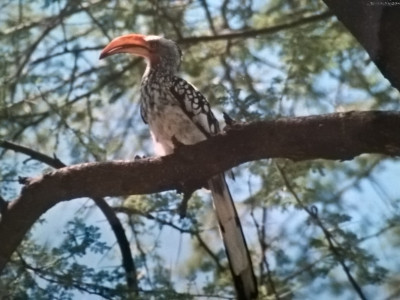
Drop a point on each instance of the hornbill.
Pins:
(177, 112)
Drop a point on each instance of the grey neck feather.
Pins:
(164, 68)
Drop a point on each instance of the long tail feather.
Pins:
(234, 241)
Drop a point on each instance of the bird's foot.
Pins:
(138, 157)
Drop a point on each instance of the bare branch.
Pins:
(328, 236)
(40, 22)
(50, 161)
(251, 33)
(116, 226)
(333, 136)
(194, 232)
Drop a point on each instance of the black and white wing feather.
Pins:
(197, 108)
(195, 105)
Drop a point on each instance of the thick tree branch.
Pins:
(373, 24)
(334, 136)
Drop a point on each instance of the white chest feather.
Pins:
(170, 121)
(175, 109)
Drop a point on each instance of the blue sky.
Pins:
(368, 204)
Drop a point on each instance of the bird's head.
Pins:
(159, 52)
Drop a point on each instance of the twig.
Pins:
(172, 20)
(79, 285)
(141, 251)
(116, 226)
(208, 15)
(51, 161)
(96, 21)
(251, 33)
(22, 27)
(195, 233)
(328, 236)
(261, 232)
(269, 274)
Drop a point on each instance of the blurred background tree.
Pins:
(316, 229)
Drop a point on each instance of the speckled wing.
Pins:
(195, 105)
(197, 108)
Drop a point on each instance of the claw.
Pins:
(228, 120)
(138, 157)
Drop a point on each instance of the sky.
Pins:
(368, 201)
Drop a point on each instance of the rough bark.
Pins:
(337, 136)
(374, 23)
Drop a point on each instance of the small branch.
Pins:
(261, 232)
(308, 267)
(65, 51)
(22, 27)
(141, 251)
(50, 161)
(95, 21)
(269, 273)
(209, 251)
(119, 232)
(195, 233)
(251, 33)
(208, 15)
(116, 226)
(174, 20)
(59, 279)
(328, 236)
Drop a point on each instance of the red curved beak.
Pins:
(129, 43)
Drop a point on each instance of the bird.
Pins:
(176, 111)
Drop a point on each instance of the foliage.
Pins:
(56, 97)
